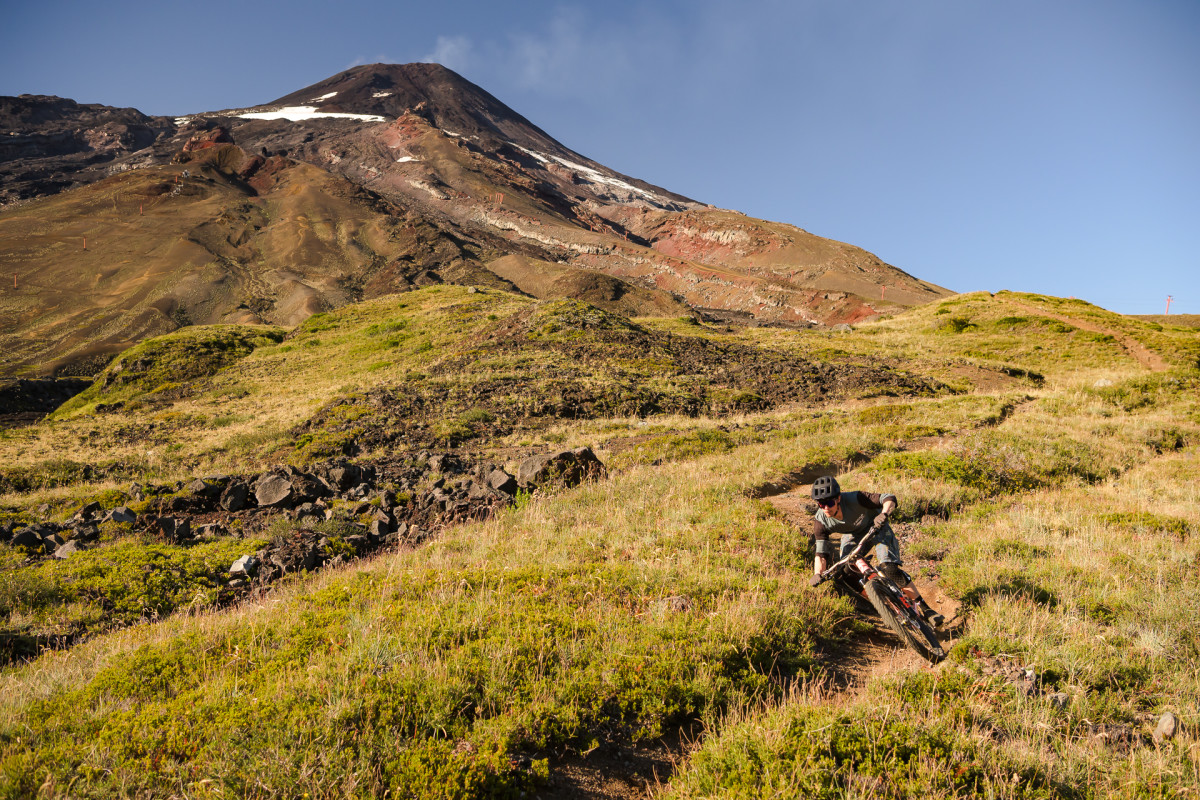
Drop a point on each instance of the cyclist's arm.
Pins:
(824, 547)
(886, 503)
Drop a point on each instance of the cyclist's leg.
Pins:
(887, 553)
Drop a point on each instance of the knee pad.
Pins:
(893, 573)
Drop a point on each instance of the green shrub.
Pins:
(1146, 522)
(956, 325)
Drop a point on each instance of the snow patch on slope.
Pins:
(595, 176)
(301, 113)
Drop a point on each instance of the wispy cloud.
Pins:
(452, 52)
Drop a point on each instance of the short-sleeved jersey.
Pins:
(859, 510)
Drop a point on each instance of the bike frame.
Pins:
(864, 572)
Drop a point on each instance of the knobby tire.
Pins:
(912, 630)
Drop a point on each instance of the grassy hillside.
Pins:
(223, 238)
(1044, 452)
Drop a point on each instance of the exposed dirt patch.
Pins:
(618, 772)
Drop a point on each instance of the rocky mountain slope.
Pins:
(372, 181)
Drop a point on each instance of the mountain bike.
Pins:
(855, 575)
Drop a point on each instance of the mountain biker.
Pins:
(852, 514)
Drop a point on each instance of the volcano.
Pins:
(117, 225)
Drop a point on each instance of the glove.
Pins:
(881, 520)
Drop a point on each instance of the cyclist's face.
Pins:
(831, 506)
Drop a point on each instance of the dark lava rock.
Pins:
(87, 532)
(343, 475)
(177, 505)
(68, 549)
(205, 488)
(564, 468)
(88, 511)
(306, 510)
(306, 487)
(274, 491)
(175, 529)
(235, 497)
(38, 396)
(501, 481)
(27, 538)
(122, 515)
(210, 530)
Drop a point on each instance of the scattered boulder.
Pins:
(501, 481)
(121, 515)
(343, 475)
(244, 566)
(305, 487)
(210, 530)
(359, 543)
(274, 491)
(566, 468)
(68, 549)
(1103, 383)
(177, 505)
(1059, 700)
(205, 488)
(1168, 726)
(88, 511)
(306, 510)
(27, 538)
(87, 532)
(235, 497)
(175, 529)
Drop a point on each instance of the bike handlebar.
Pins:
(832, 570)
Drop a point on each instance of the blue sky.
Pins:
(1049, 146)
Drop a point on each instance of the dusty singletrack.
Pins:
(1136, 350)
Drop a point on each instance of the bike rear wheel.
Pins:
(912, 630)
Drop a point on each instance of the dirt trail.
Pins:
(1138, 351)
(852, 667)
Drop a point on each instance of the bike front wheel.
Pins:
(905, 623)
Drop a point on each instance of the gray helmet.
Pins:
(825, 488)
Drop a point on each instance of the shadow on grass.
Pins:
(1013, 587)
